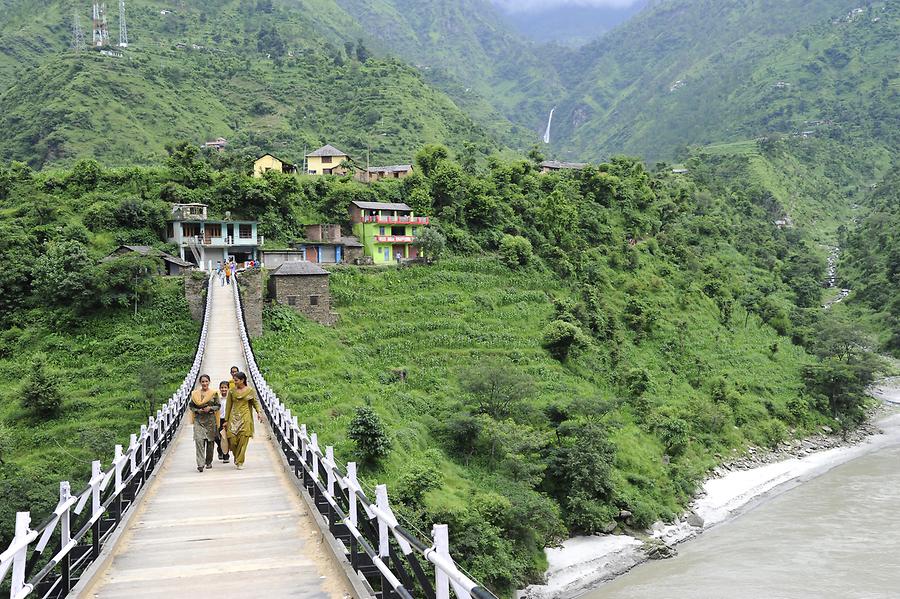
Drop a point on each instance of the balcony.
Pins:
(396, 220)
(395, 238)
(222, 242)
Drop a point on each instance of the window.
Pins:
(326, 171)
(386, 252)
(398, 230)
(381, 230)
(312, 171)
(245, 231)
(314, 300)
(326, 159)
(292, 300)
(213, 230)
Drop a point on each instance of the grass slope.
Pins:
(97, 361)
(436, 322)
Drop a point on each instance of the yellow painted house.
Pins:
(326, 161)
(268, 162)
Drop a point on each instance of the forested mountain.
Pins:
(288, 75)
(871, 265)
(701, 71)
(261, 76)
(278, 75)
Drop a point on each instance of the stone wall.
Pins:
(250, 284)
(195, 293)
(309, 295)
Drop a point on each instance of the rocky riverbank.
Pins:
(582, 563)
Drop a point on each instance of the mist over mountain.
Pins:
(569, 24)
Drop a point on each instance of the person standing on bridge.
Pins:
(239, 417)
(205, 416)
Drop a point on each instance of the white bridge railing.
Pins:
(82, 523)
(387, 557)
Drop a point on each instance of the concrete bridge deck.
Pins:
(223, 533)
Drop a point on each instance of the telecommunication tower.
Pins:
(77, 34)
(123, 28)
(100, 28)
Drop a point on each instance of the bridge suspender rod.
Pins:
(302, 450)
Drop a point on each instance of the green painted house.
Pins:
(387, 230)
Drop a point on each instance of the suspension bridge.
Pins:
(294, 523)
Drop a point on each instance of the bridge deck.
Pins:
(222, 533)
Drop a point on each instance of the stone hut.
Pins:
(304, 287)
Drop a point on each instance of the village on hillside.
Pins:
(380, 233)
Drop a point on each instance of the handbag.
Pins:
(223, 443)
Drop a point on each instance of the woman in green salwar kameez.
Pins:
(239, 409)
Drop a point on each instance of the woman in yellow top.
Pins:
(239, 417)
(204, 407)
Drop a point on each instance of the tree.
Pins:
(186, 166)
(515, 250)
(367, 430)
(40, 393)
(148, 379)
(362, 53)
(496, 387)
(6, 442)
(431, 244)
(560, 337)
(127, 280)
(580, 475)
(63, 275)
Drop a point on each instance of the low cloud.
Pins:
(539, 5)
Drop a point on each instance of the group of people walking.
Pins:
(229, 434)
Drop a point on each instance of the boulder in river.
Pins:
(694, 520)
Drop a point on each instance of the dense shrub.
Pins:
(368, 431)
(515, 250)
(41, 393)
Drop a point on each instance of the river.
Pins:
(836, 535)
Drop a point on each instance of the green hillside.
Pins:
(699, 72)
(262, 77)
(641, 327)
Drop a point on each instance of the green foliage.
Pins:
(515, 250)
(367, 430)
(61, 274)
(431, 243)
(561, 337)
(41, 393)
(496, 387)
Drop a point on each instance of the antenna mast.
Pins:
(100, 30)
(123, 28)
(77, 34)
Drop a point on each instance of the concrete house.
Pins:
(386, 230)
(205, 241)
(552, 166)
(325, 244)
(171, 264)
(326, 161)
(377, 173)
(304, 287)
(268, 162)
(217, 144)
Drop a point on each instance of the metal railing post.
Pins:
(65, 537)
(442, 546)
(381, 500)
(23, 520)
